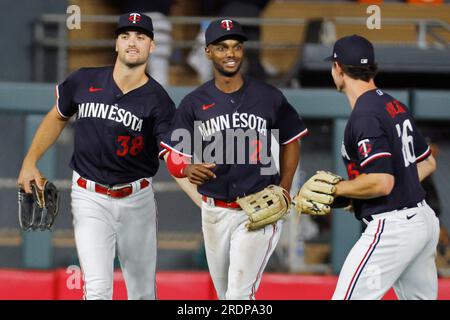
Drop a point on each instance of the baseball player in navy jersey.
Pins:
(228, 103)
(121, 116)
(386, 158)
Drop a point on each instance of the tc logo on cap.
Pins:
(226, 24)
(364, 61)
(134, 17)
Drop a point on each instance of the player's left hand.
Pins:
(317, 194)
(198, 174)
(265, 207)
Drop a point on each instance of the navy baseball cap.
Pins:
(135, 21)
(353, 51)
(224, 29)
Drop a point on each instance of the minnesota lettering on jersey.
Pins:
(237, 120)
(109, 112)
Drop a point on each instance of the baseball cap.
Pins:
(135, 21)
(353, 50)
(224, 29)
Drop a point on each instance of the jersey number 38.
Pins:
(131, 145)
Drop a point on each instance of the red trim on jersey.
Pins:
(298, 136)
(162, 153)
(176, 163)
(424, 155)
(57, 103)
(363, 260)
(374, 157)
(169, 148)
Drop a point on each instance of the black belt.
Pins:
(369, 218)
(373, 216)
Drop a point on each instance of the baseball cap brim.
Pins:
(236, 36)
(133, 28)
(330, 58)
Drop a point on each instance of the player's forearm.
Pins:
(289, 158)
(366, 186)
(190, 190)
(426, 167)
(48, 132)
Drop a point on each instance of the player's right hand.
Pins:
(28, 173)
(198, 174)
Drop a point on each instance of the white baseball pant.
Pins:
(104, 226)
(236, 257)
(398, 249)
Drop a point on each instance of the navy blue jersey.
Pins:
(381, 137)
(256, 109)
(117, 136)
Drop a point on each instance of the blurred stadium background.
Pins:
(288, 41)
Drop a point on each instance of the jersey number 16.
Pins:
(407, 142)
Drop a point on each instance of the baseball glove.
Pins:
(316, 196)
(38, 209)
(265, 207)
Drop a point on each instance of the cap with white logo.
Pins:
(224, 29)
(353, 51)
(135, 21)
